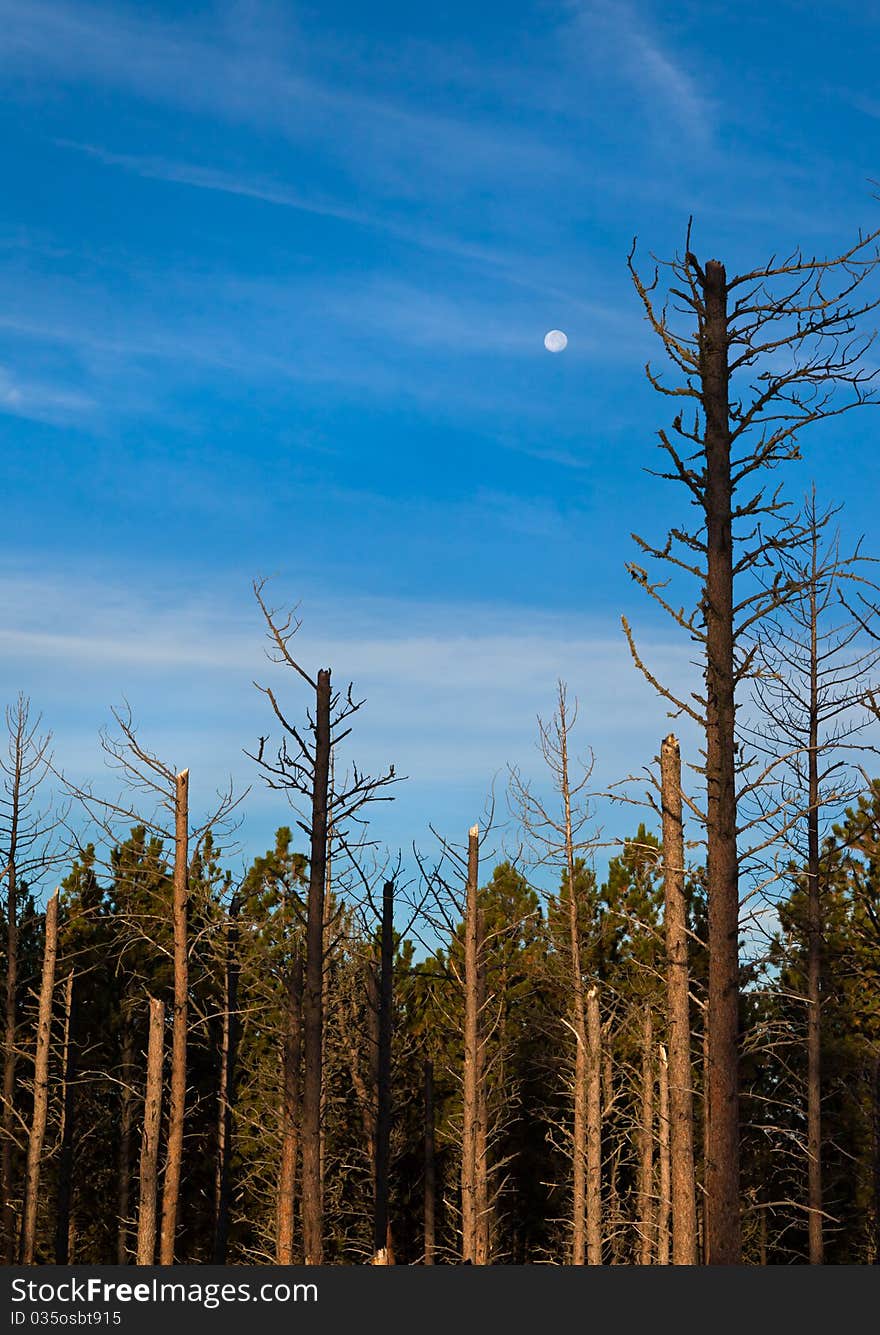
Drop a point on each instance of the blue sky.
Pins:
(274, 281)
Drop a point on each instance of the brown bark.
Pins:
(681, 1107)
(68, 1124)
(7, 1116)
(41, 1086)
(290, 1112)
(725, 1234)
(472, 1055)
(226, 1091)
(177, 1103)
(481, 1199)
(125, 1138)
(146, 1235)
(594, 1129)
(430, 1189)
(313, 1003)
(876, 1165)
(578, 1021)
(646, 1146)
(663, 1156)
(381, 1223)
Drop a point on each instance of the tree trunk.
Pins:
(430, 1165)
(646, 1168)
(663, 1155)
(125, 1130)
(177, 1104)
(579, 1023)
(594, 1129)
(814, 944)
(68, 1124)
(481, 1199)
(41, 1086)
(7, 1121)
(681, 1104)
(381, 1227)
(725, 1242)
(876, 1184)
(226, 1093)
(146, 1237)
(313, 1004)
(706, 1151)
(290, 1112)
(472, 1055)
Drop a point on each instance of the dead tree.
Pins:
(681, 1103)
(813, 694)
(646, 1146)
(290, 1110)
(556, 837)
(126, 1121)
(226, 1091)
(473, 1193)
(381, 1226)
(594, 1130)
(41, 1086)
(663, 1186)
(68, 1121)
(24, 832)
(760, 356)
(301, 768)
(177, 1102)
(430, 1180)
(146, 1236)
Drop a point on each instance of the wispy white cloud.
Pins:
(41, 401)
(620, 35)
(452, 690)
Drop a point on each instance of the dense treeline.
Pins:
(107, 967)
(673, 1060)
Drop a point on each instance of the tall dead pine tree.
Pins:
(23, 830)
(303, 767)
(556, 839)
(177, 1105)
(473, 1193)
(760, 357)
(681, 1099)
(146, 1234)
(290, 1111)
(41, 1086)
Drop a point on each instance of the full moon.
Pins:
(555, 341)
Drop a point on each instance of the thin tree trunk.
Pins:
(7, 1120)
(177, 1104)
(472, 1052)
(706, 1143)
(226, 1093)
(481, 1200)
(814, 942)
(430, 1190)
(125, 1130)
(594, 1129)
(68, 1124)
(725, 1233)
(663, 1155)
(579, 1024)
(313, 1002)
(146, 1236)
(613, 1207)
(646, 1170)
(876, 1184)
(681, 1103)
(41, 1086)
(290, 1112)
(381, 1227)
